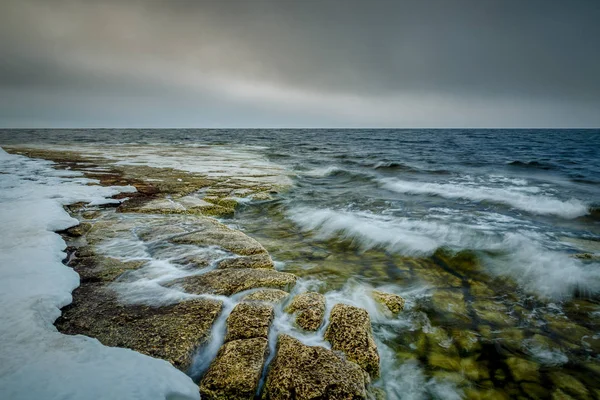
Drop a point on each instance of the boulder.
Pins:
(350, 331)
(392, 302)
(274, 296)
(310, 309)
(248, 321)
(227, 282)
(235, 372)
(302, 372)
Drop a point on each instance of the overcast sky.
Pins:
(299, 63)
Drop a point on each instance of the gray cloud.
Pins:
(300, 63)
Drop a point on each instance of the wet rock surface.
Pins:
(236, 370)
(309, 309)
(349, 331)
(248, 321)
(392, 302)
(304, 372)
(274, 296)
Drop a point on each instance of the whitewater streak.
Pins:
(517, 197)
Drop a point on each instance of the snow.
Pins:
(36, 361)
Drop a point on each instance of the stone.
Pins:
(227, 282)
(248, 321)
(569, 384)
(217, 234)
(392, 302)
(523, 370)
(309, 309)
(274, 296)
(301, 372)
(262, 260)
(350, 331)
(236, 370)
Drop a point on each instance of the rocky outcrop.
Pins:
(392, 302)
(350, 331)
(274, 296)
(235, 372)
(309, 309)
(248, 321)
(301, 372)
(231, 281)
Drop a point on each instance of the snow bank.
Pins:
(36, 361)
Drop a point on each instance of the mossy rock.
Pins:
(301, 372)
(392, 302)
(350, 331)
(309, 309)
(262, 260)
(569, 384)
(523, 370)
(227, 282)
(235, 372)
(274, 296)
(248, 321)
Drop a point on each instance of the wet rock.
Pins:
(392, 302)
(274, 296)
(300, 372)
(230, 281)
(569, 384)
(249, 320)
(262, 260)
(310, 309)
(560, 395)
(236, 370)
(78, 230)
(523, 370)
(170, 332)
(92, 267)
(350, 331)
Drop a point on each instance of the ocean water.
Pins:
(492, 236)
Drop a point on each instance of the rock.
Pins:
(523, 370)
(248, 321)
(569, 384)
(262, 260)
(274, 296)
(236, 370)
(310, 309)
(78, 230)
(231, 281)
(350, 331)
(393, 302)
(300, 372)
(214, 233)
(171, 332)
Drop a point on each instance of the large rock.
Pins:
(230, 281)
(216, 234)
(301, 372)
(310, 309)
(262, 260)
(249, 320)
(392, 302)
(350, 331)
(273, 296)
(235, 372)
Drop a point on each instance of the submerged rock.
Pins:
(236, 370)
(249, 320)
(350, 331)
(301, 372)
(230, 281)
(393, 302)
(273, 296)
(310, 309)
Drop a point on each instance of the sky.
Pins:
(299, 63)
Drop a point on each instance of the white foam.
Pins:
(36, 360)
(520, 197)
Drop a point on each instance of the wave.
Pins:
(520, 255)
(521, 197)
(531, 164)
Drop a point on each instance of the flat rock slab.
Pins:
(310, 309)
(171, 332)
(301, 372)
(222, 236)
(227, 282)
(248, 321)
(350, 331)
(235, 372)
(262, 260)
(273, 296)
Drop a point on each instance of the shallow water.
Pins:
(477, 229)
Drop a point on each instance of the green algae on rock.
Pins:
(248, 321)
(301, 372)
(309, 309)
(235, 372)
(227, 282)
(350, 331)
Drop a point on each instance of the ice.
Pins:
(36, 361)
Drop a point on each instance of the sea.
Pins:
(492, 236)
